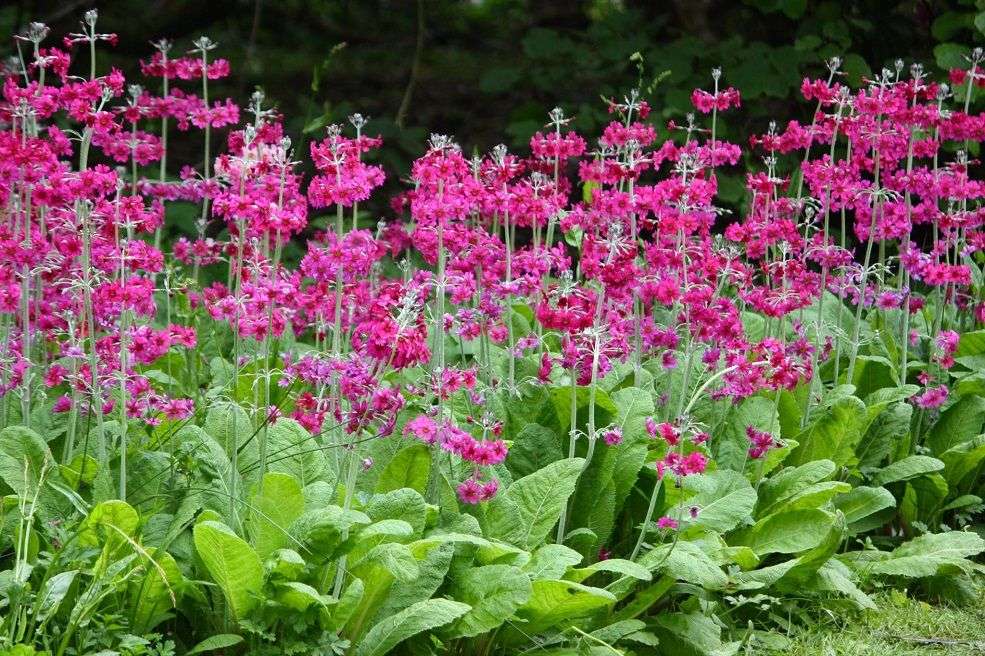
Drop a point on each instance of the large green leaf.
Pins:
(292, 449)
(526, 512)
(433, 563)
(409, 468)
(535, 446)
(723, 499)
(25, 461)
(686, 561)
(232, 564)
(787, 532)
(906, 469)
(863, 502)
(422, 616)
(833, 435)
(153, 595)
(959, 423)
(756, 411)
(551, 561)
(691, 634)
(230, 426)
(921, 556)
(790, 481)
(884, 434)
(494, 592)
(278, 502)
(963, 463)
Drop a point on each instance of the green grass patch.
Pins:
(901, 626)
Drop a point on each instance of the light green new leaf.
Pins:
(109, 523)
(277, 503)
(408, 469)
(906, 469)
(526, 512)
(422, 616)
(232, 564)
(494, 592)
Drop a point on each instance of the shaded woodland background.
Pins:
(488, 71)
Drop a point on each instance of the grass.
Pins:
(901, 626)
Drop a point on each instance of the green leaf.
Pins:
(494, 592)
(686, 561)
(23, 458)
(299, 596)
(959, 423)
(756, 411)
(526, 512)
(614, 565)
(219, 641)
(535, 446)
(862, 502)
(921, 556)
(422, 616)
(52, 594)
(832, 436)
(297, 451)
(279, 501)
(692, 634)
(409, 468)
(962, 462)
(405, 504)
(907, 468)
(109, 523)
(790, 481)
(232, 564)
(835, 576)
(724, 499)
(551, 561)
(885, 432)
(951, 55)
(153, 595)
(556, 603)
(433, 563)
(787, 532)
(230, 426)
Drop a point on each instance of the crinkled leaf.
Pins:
(530, 507)
(422, 616)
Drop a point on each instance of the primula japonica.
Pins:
(618, 248)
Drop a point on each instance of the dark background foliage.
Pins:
(488, 71)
